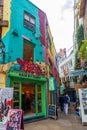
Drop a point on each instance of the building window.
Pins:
(1, 2)
(28, 52)
(29, 21)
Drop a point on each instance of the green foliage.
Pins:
(80, 35)
(77, 61)
(83, 50)
(75, 79)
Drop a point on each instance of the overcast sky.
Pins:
(60, 17)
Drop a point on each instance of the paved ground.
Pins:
(50, 124)
(70, 122)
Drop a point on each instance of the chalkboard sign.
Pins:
(52, 111)
(15, 120)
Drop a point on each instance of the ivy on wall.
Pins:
(83, 50)
(77, 60)
(80, 35)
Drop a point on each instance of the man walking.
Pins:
(61, 101)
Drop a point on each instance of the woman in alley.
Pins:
(66, 103)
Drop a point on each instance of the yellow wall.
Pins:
(3, 70)
(6, 16)
(2, 80)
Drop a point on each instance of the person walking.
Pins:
(66, 103)
(61, 101)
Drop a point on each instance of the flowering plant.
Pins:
(31, 67)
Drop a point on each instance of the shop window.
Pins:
(29, 21)
(1, 2)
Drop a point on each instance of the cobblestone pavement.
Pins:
(70, 122)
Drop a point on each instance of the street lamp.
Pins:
(2, 51)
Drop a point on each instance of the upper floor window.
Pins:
(29, 21)
(1, 2)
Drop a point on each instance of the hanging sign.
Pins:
(15, 120)
(51, 84)
(78, 72)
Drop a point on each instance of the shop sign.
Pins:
(28, 75)
(51, 84)
(78, 72)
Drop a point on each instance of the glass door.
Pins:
(38, 99)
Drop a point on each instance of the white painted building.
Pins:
(66, 64)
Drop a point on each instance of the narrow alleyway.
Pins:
(72, 117)
(70, 122)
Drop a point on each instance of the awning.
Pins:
(78, 72)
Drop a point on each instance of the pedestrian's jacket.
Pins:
(66, 99)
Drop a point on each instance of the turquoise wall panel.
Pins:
(14, 42)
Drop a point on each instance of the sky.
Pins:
(60, 18)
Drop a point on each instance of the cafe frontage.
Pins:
(29, 82)
(29, 94)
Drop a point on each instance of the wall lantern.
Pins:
(15, 32)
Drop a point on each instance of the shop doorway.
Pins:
(28, 99)
(31, 98)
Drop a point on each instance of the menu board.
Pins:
(52, 111)
(83, 104)
(15, 120)
(84, 101)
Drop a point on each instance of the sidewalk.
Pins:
(70, 122)
(50, 124)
